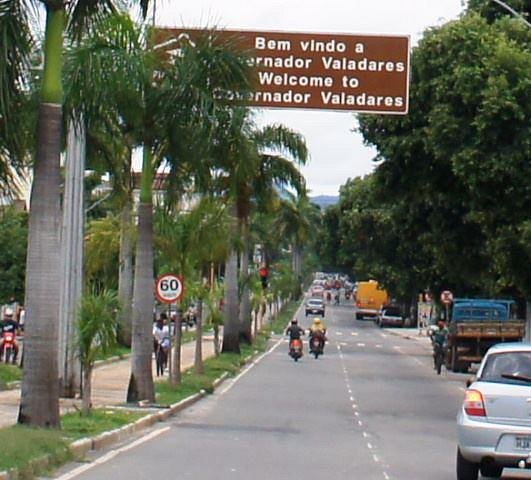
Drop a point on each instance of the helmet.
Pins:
(316, 320)
(8, 312)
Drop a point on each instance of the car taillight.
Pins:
(474, 405)
(358, 304)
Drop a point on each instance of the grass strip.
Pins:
(9, 373)
(76, 426)
(118, 351)
(21, 445)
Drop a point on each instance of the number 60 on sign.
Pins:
(169, 288)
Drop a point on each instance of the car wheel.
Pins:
(466, 470)
(491, 471)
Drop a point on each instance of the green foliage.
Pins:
(14, 234)
(9, 373)
(492, 11)
(212, 302)
(21, 445)
(449, 205)
(100, 420)
(97, 325)
(102, 253)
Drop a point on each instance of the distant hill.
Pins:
(324, 201)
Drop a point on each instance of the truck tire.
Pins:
(491, 471)
(466, 470)
(454, 363)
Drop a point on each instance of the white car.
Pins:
(494, 424)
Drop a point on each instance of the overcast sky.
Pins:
(336, 152)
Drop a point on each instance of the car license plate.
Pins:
(523, 443)
(315, 310)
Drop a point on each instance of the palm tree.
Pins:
(296, 219)
(187, 241)
(15, 116)
(253, 165)
(39, 404)
(168, 105)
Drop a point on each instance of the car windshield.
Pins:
(316, 303)
(508, 367)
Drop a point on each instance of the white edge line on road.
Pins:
(257, 360)
(113, 453)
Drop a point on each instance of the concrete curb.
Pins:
(108, 361)
(419, 340)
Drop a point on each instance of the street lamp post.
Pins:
(512, 10)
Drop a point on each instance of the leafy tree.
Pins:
(455, 170)
(14, 232)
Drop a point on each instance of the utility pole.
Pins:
(71, 259)
(513, 11)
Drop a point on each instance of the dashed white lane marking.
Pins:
(339, 333)
(365, 434)
(462, 389)
(361, 344)
(343, 344)
(383, 335)
(113, 453)
(354, 334)
(379, 346)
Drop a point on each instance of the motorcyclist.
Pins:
(294, 331)
(9, 325)
(318, 329)
(439, 338)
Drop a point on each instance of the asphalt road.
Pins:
(371, 408)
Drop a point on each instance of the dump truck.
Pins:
(476, 325)
(370, 298)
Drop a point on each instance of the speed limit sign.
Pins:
(169, 288)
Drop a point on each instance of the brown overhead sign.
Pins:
(360, 73)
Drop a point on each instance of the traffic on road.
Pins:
(369, 406)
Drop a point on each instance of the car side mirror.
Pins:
(470, 381)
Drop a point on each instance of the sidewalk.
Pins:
(411, 334)
(109, 384)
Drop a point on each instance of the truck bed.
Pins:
(513, 330)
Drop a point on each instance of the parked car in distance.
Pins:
(494, 424)
(315, 306)
(389, 316)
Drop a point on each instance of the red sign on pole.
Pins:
(169, 288)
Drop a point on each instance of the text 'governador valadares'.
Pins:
(362, 73)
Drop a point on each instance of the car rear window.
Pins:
(392, 312)
(315, 302)
(499, 366)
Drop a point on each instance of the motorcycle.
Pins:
(295, 349)
(8, 347)
(317, 345)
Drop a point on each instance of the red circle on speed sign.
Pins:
(447, 297)
(169, 288)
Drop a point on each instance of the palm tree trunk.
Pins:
(231, 329)
(141, 385)
(245, 304)
(39, 404)
(175, 357)
(198, 363)
(141, 381)
(125, 280)
(86, 399)
(216, 340)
